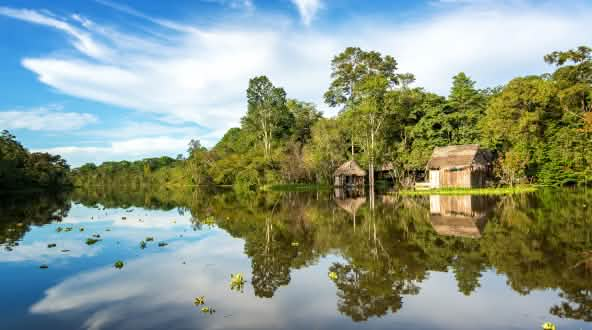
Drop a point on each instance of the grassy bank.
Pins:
(295, 187)
(470, 191)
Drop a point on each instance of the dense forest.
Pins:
(539, 128)
(22, 170)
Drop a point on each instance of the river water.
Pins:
(310, 260)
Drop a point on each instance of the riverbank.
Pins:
(470, 191)
(295, 187)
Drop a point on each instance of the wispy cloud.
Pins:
(81, 40)
(47, 118)
(307, 9)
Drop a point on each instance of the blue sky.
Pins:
(113, 79)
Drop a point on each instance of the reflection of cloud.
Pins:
(158, 290)
(39, 252)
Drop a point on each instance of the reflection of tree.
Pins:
(537, 241)
(19, 212)
(364, 294)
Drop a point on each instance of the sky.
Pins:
(100, 80)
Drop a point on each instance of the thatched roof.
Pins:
(350, 168)
(454, 156)
(387, 167)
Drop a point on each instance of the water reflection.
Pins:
(386, 250)
(462, 216)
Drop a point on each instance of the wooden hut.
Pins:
(350, 174)
(462, 166)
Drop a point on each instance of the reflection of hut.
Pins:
(463, 166)
(350, 174)
(463, 216)
(351, 205)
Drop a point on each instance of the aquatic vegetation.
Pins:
(51, 245)
(149, 239)
(96, 236)
(59, 229)
(81, 229)
(295, 244)
(108, 229)
(123, 218)
(548, 326)
(161, 244)
(209, 220)
(44, 266)
(118, 264)
(237, 282)
(65, 250)
(208, 310)
(333, 276)
(199, 300)
(68, 229)
(91, 241)
(142, 245)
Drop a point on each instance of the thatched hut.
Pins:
(350, 174)
(463, 166)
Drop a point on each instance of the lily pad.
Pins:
(149, 239)
(295, 243)
(51, 245)
(59, 229)
(161, 244)
(44, 266)
(333, 276)
(142, 245)
(118, 264)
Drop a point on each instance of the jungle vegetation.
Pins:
(24, 170)
(539, 127)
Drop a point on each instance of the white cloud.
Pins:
(45, 119)
(307, 9)
(131, 149)
(82, 41)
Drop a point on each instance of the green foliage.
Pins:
(539, 129)
(21, 169)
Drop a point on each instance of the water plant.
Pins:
(91, 241)
(142, 245)
(149, 239)
(44, 266)
(118, 264)
(50, 245)
(199, 300)
(161, 244)
(68, 229)
(333, 276)
(59, 229)
(295, 243)
(237, 282)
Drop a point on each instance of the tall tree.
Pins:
(360, 80)
(267, 112)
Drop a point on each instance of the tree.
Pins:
(267, 115)
(360, 80)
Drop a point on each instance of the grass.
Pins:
(470, 191)
(295, 187)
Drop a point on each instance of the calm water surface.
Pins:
(430, 262)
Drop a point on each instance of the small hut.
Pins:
(350, 174)
(462, 166)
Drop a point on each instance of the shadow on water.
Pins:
(387, 245)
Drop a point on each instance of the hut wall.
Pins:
(455, 178)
